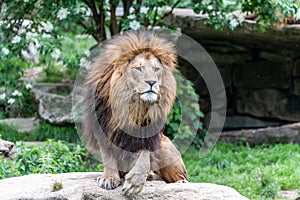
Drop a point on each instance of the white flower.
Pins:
(134, 25)
(25, 1)
(26, 23)
(205, 2)
(45, 35)
(62, 13)
(5, 51)
(131, 17)
(32, 53)
(31, 35)
(55, 54)
(297, 15)
(210, 7)
(11, 101)
(87, 53)
(16, 39)
(85, 63)
(2, 96)
(16, 93)
(80, 10)
(28, 86)
(234, 23)
(88, 13)
(45, 26)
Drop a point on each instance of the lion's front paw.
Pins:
(109, 182)
(134, 183)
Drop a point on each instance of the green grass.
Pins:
(256, 172)
(42, 132)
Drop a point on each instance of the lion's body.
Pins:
(124, 118)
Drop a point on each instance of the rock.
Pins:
(275, 58)
(234, 58)
(269, 103)
(55, 102)
(271, 135)
(5, 148)
(296, 71)
(296, 87)
(22, 124)
(238, 121)
(83, 186)
(248, 35)
(262, 74)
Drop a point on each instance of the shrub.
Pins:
(50, 157)
(186, 111)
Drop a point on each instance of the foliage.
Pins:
(47, 131)
(15, 95)
(51, 157)
(42, 132)
(226, 13)
(180, 128)
(256, 172)
(10, 133)
(57, 186)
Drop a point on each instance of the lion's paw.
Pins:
(134, 183)
(108, 183)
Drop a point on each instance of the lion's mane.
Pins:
(106, 94)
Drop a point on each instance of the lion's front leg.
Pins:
(110, 178)
(136, 178)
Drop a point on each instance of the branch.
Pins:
(167, 13)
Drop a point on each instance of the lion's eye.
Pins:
(156, 69)
(138, 69)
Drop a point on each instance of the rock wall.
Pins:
(261, 71)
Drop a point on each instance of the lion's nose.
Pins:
(151, 82)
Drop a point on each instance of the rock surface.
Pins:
(77, 186)
(271, 135)
(22, 124)
(55, 102)
(260, 70)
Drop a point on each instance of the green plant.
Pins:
(10, 133)
(227, 13)
(50, 157)
(57, 186)
(184, 120)
(46, 131)
(16, 97)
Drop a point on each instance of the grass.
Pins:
(42, 132)
(256, 172)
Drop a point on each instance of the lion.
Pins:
(130, 92)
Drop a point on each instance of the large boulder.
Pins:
(83, 186)
(55, 102)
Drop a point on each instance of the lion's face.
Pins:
(144, 74)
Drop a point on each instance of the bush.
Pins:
(227, 13)
(191, 112)
(51, 157)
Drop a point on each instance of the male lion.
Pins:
(130, 92)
